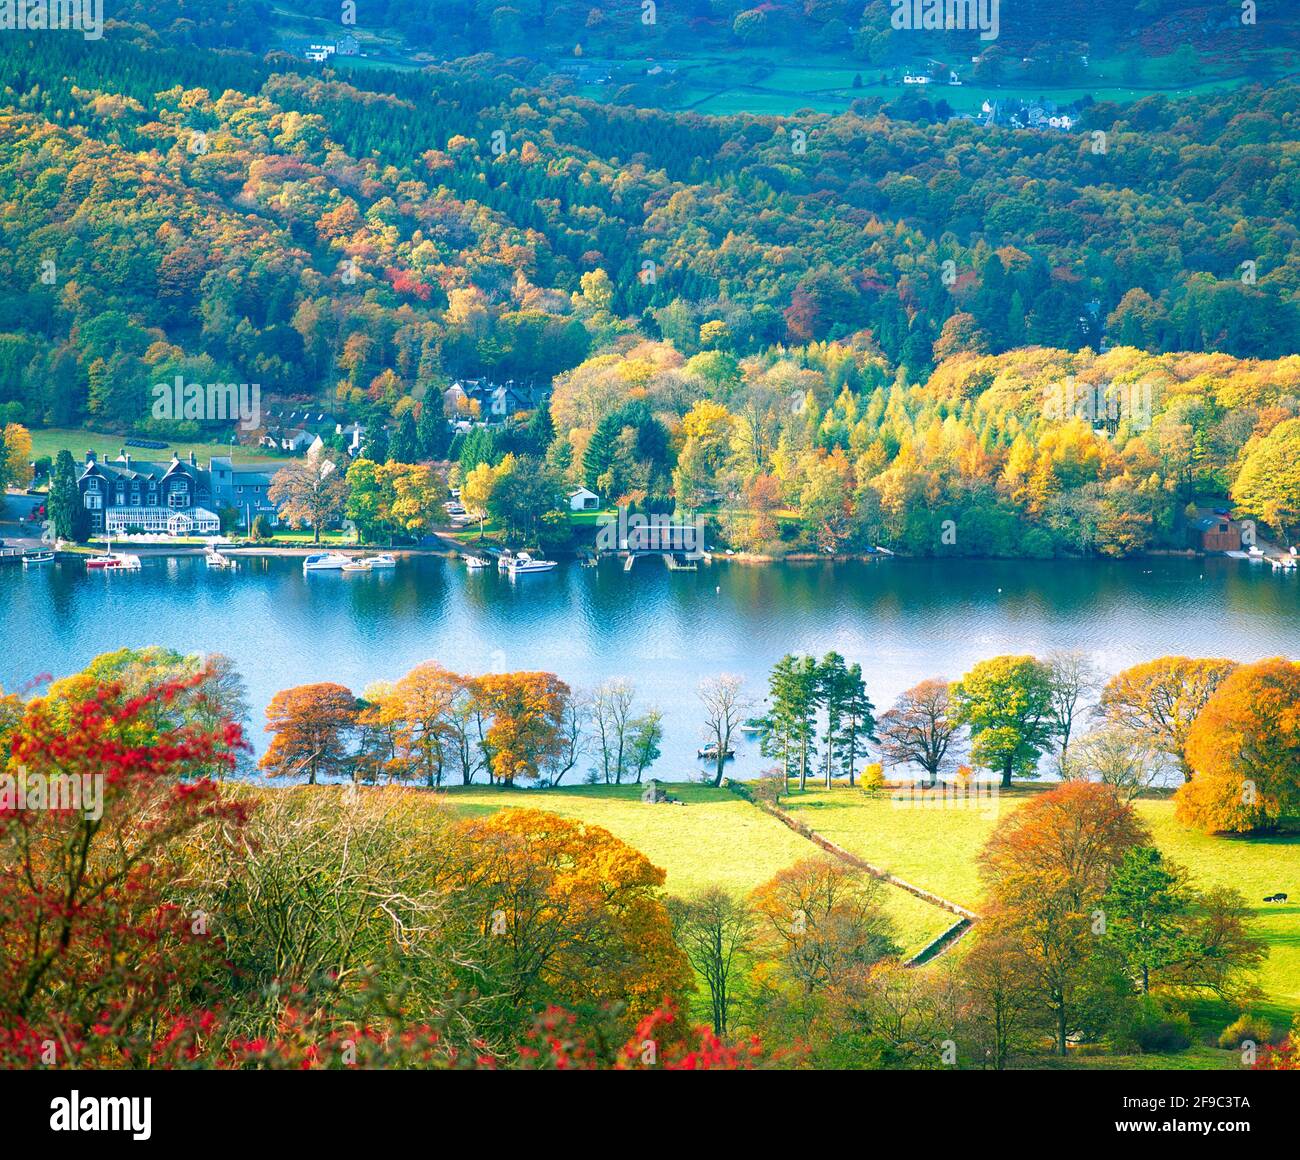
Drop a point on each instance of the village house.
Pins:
(244, 489)
(583, 500)
(490, 402)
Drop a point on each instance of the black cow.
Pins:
(1276, 898)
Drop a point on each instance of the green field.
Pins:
(719, 839)
(49, 441)
(768, 81)
(936, 848)
(716, 839)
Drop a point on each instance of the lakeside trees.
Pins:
(311, 492)
(1088, 932)
(1243, 749)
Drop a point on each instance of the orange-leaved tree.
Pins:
(1047, 868)
(1244, 751)
(418, 709)
(572, 916)
(312, 727)
(527, 711)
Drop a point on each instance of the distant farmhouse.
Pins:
(489, 402)
(298, 430)
(178, 498)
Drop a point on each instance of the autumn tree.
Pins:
(1162, 698)
(1046, 869)
(310, 492)
(418, 708)
(1007, 704)
(1268, 483)
(569, 915)
(1244, 752)
(92, 944)
(311, 728)
(921, 729)
(822, 919)
(527, 730)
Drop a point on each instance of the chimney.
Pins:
(127, 456)
(191, 458)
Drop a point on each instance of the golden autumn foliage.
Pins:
(1161, 699)
(310, 725)
(574, 913)
(1244, 752)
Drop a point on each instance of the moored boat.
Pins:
(381, 561)
(710, 753)
(39, 558)
(356, 566)
(114, 562)
(524, 563)
(325, 562)
(474, 562)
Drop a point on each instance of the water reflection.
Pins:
(901, 620)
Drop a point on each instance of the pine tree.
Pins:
(433, 431)
(791, 730)
(64, 501)
(405, 447)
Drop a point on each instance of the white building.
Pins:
(583, 500)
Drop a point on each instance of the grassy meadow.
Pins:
(719, 839)
(51, 440)
(716, 839)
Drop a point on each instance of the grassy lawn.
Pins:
(51, 440)
(717, 839)
(936, 848)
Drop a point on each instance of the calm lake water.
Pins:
(902, 620)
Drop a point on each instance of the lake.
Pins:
(902, 620)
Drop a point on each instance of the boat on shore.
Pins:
(523, 564)
(325, 562)
(39, 558)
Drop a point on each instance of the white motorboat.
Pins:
(475, 562)
(523, 564)
(216, 560)
(381, 561)
(325, 562)
(356, 566)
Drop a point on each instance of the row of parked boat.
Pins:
(338, 562)
(513, 563)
